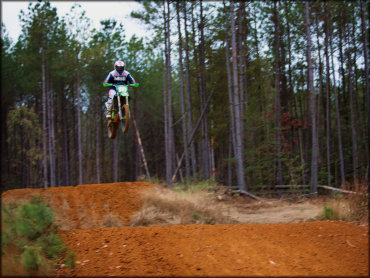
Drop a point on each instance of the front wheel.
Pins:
(125, 123)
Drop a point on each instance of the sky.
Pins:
(95, 10)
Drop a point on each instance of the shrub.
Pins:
(51, 244)
(70, 259)
(33, 219)
(337, 210)
(31, 258)
(349, 207)
(359, 204)
(328, 213)
(30, 228)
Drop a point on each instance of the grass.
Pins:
(191, 206)
(29, 238)
(358, 204)
(204, 185)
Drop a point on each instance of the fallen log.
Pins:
(192, 135)
(142, 151)
(247, 193)
(336, 189)
(287, 186)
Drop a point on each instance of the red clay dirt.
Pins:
(321, 248)
(87, 206)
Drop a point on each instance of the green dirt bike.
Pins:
(120, 109)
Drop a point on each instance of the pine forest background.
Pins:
(246, 93)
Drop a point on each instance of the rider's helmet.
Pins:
(119, 66)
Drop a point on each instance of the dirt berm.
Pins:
(320, 248)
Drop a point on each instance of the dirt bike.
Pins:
(120, 109)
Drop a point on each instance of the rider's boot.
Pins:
(109, 112)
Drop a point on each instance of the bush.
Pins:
(30, 228)
(33, 219)
(359, 204)
(70, 259)
(31, 258)
(328, 213)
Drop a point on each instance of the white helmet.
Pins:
(119, 66)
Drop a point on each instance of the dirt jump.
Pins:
(95, 222)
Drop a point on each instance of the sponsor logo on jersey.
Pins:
(120, 78)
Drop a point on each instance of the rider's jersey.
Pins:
(115, 78)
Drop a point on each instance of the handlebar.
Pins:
(130, 85)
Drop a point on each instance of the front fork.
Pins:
(119, 107)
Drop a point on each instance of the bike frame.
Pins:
(121, 91)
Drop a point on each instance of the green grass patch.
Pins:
(209, 185)
(333, 212)
(328, 213)
(30, 228)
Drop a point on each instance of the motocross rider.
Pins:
(117, 76)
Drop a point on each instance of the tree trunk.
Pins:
(328, 117)
(360, 123)
(67, 180)
(51, 131)
(188, 86)
(165, 120)
(102, 149)
(197, 80)
(365, 47)
(182, 94)
(320, 95)
(44, 128)
(352, 113)
(5, 168)
(229, 83)
(97, 138)
(205, 139)
(169, 95)
(232, 140)
(79, 145)
(239, 136)
(341, 59)
(277, 99)
(115, 160)
(314, 168)
(170, 142)
(290, 83)
(337, 112)
(241, 66)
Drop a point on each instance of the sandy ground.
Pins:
(94, 222)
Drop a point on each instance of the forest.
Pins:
(242, 93)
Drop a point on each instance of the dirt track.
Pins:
(324, 248)
(87, 206)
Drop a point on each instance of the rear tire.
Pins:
(125, 123)
(112, 128)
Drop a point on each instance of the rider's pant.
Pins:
(111, 95)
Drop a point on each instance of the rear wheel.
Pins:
(113, 127)
(125, 123)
